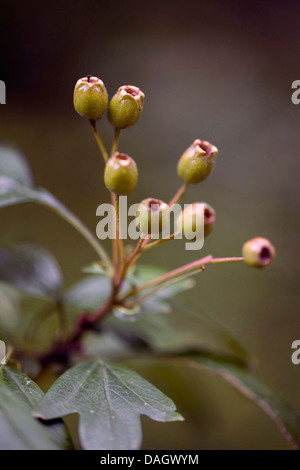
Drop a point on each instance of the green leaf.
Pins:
(155, 305)
(18, 429)
(127, 314)
(218, 333)
(249, 385)
(16, 186)
(89, 293)
(109, 399)
(22, 386)
(16, 181)
(94, 268)
(148, 307)
(9, 311)
(13, 192)
(106, 346)
(164, 332)
(145, 273)
(28, 392)
(14, 165)
(31, 269)
(181, 330)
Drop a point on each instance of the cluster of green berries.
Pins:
(121, 173)
(91, 100)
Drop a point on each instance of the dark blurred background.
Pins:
(215, 70)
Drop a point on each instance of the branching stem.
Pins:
(179, 195)
(99, 140)
(116, 141)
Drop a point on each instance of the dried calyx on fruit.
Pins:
(197, 161)
(126, 106)
(121, 174)
(152, 216)
(258, 252)
(90, 97)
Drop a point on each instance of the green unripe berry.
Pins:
(197, 161)
(153, 215)
(258, 252)
(121, 174)
(126, 106)
(195, 218)
(90, 97)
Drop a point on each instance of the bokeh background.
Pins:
(220, 71)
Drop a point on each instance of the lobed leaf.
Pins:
(31, 269)
(9, 311)
(27, 392)
(18, 429)
(96, 267)
(14, 165)
(88, 293)
(13, 192)
(180, 330)
(144, 273)
(109, 399)
(249, 385)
